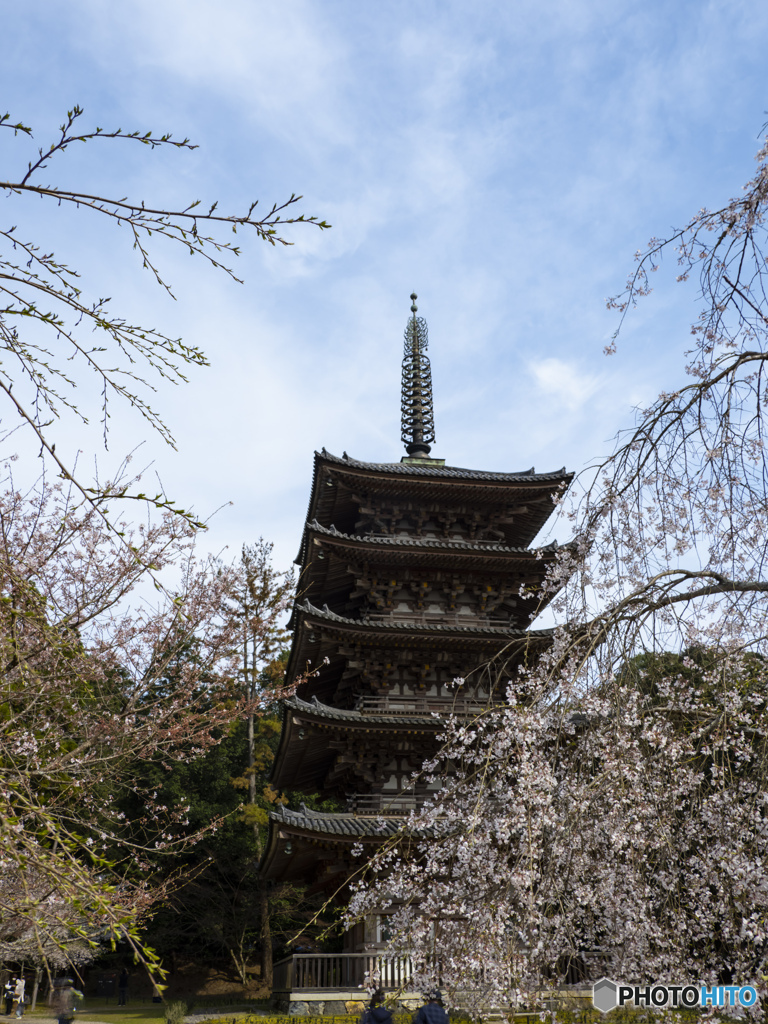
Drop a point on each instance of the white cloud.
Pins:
(284, 63)
(503, 160)
(563, 382)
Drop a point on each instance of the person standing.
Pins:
(18, 995)
(377, 1013)
(432, 1011)
(10, 988)
(64, 1000)
(122, 987)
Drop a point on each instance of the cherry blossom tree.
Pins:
(39, 941)
(101, 670)
(118, 645)
(610, 815)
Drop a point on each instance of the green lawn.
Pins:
(94, 1009)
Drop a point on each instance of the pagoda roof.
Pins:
(398, 542)
(393, 628)
(333, 559)
(304, 757)
(348, 826)
(440, 471)
(313, 709)
(318, 633)
(432, 484)
(314, 837)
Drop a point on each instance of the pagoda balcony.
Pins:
(315, 981)
(309, 977)
(441, 617)
(383, 803)
(420, 704)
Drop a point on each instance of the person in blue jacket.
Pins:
(432, 1011)
(377, 1013)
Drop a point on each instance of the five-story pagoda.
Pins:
(413, 575)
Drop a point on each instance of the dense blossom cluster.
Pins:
(47, 938)
(611, 816)
(628, 836)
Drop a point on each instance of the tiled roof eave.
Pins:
(315, 709)
(431, 543)
(306, 608)
(341, 826)
(445, 472)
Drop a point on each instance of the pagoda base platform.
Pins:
(326, 984)
(335, 984)
(334, 1002)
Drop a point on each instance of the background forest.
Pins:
(220, 911)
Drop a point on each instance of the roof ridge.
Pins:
(440, 470)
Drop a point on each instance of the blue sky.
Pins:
(503, 160)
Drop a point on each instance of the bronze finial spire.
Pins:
(417, 421)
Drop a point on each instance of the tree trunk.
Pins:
(240, 967)
(35, 987)
(251, 762)
(249, 673)
(266, 934)
(260, 598)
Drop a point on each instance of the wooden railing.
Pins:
(382, 803)
(339, 971)
(323, 972)
(419, 704)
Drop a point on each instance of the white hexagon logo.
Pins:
(604, 995)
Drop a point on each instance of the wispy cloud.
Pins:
(563, 382)
(503, 160)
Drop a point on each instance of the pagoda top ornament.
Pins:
(417, 424)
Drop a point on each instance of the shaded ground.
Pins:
(149, 1014)
(204, 983)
